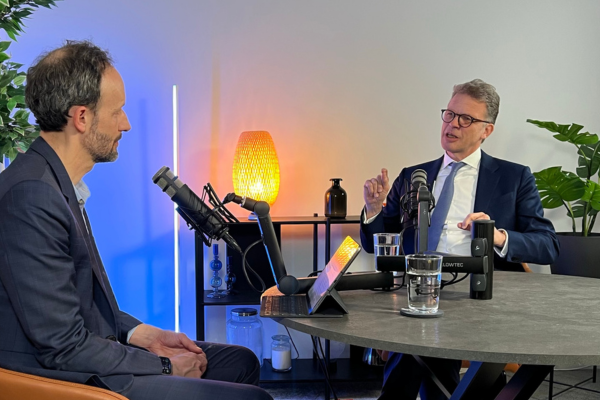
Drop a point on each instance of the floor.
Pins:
(563, 390)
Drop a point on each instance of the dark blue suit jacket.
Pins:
(58, 314)
(505, 191)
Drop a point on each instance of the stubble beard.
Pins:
(100, 145)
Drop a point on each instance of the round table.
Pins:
(532, 319)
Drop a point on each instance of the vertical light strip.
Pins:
(175, 214)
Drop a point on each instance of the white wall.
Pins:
(344, 87)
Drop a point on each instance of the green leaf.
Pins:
(591, 154)
(19, 99)
(556, 187)
(12, 103)
(592, 194)
(567, 133)
(18, 81)
(4, 57)
(4, 45)
(11, 34)
(578, 208)
(4, 3)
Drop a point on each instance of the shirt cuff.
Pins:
(130, 333)
(502, 252)
(368, 221)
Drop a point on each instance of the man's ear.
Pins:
(81, 117)
(489, 128)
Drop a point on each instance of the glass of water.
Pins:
(424, 273)
(386, 244)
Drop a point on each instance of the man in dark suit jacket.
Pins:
(58, 315)
(485, 188)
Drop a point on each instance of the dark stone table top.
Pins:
(532, 319)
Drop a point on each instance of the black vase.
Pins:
(335, 200)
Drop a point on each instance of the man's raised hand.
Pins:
(375, 191)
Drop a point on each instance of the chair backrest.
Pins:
(17, 385)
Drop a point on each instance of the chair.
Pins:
(17, 385)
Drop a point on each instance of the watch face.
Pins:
(166, 364)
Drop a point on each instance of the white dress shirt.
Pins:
(453, 239)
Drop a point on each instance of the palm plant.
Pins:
(578, 192)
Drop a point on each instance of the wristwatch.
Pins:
(166, 363)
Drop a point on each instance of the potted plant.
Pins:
(579, 193)
(16, 133)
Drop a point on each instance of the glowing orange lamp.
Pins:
(256, 167)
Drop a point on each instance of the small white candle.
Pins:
(281, 359)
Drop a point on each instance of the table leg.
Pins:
(327, 365)
(327, 241)
(315, 247)
(525, 382)
(480, 382)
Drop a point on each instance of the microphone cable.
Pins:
(323, 364)
(246, 265)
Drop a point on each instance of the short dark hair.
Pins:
(483, 92)
(62, 78)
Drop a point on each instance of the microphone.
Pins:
(193, 210)
(418, 178)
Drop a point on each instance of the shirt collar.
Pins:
(473, 160)
(82, 192)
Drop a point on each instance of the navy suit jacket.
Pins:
(58, 315)
(505, 191)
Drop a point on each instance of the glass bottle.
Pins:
(245, 329)
(335, 200)
(216, 281)
(281, 353)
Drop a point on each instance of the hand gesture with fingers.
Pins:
(375, 191)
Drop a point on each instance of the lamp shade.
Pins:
(256, 167)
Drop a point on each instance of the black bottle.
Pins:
(335, 200)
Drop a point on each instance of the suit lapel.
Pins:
(433, 168)
(64, 181)
(486, 183)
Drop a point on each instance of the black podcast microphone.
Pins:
(418, 178)
(193, 210)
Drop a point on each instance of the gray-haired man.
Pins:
(484, 187)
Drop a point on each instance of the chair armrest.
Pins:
(17, 385)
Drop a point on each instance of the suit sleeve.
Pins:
(388, 219)
(39, 276)
(534, 239)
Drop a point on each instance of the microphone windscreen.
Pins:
(418, 176)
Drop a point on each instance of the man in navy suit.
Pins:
(58, 315)
(484, 188)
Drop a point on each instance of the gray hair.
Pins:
(65, 77)
(483, 92)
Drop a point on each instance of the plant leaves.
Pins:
(556, 187)
(591, 153)
(4, 57)
(567, 133)
(578, 208)
(4, 3)
(4, 45)
(592, 194)
(12, 103)
(18, 81)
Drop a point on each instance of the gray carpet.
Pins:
(562, 389)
